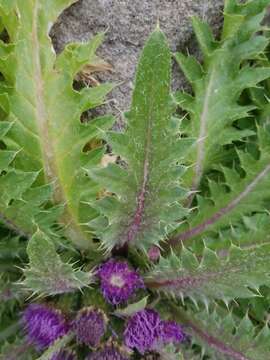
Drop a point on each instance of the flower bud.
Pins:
(44, 325)
(90, 326)
(172, 332)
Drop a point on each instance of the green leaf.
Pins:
(218, 83)
(132, 308)
(6, 158)
(204, 36)
(14, 184)
(238, 195)
(239, 274)
(17, 349)
(39, 100)
(249, 231)
(47, 274)
(5, 126)
(225, 337)
(169, 352)
(144, 204)
(12, 247)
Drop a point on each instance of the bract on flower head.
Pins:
(110, 351)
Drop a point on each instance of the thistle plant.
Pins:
(162, 253)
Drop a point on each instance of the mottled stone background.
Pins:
(129, 22)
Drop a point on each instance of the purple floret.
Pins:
(63, 355)
(109, 352)
(118, 281)
(90, 326)
(171, 332)
(44, 325)
(143, 331)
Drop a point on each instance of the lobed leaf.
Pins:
(217, 84)
(47, 274)
(47, 139)
(236, 196)
(144, 205)
(239, 274)
(225, 337)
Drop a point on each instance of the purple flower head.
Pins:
(109, 352)
(171, 332)
(143, 330)
(64, 355)
(90, 326)
(44, 325)
(118, 281)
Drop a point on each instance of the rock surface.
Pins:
(128, 23)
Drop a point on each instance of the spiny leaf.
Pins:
(213, 277)
(144, 206)
(47, 274)
(224, 337)
(38, 98)
(218, 83)
(12, 247)
(245, 196)
(249, 231)
(10, 300)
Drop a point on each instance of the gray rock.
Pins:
(129, 23)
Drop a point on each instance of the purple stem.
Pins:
(180, 282)
(135, 225)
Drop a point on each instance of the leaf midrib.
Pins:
(198, 172)
(212, 341)
(40, 109)
(200, 228)
(217, 344)
(47, 143)
(134, 228)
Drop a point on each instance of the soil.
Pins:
(128, 24)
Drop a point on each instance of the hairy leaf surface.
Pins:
(146, 188)
(47, 274)
(227, 338)
(213, 277)
(217, 85)
(237, 195)
(46, 140)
